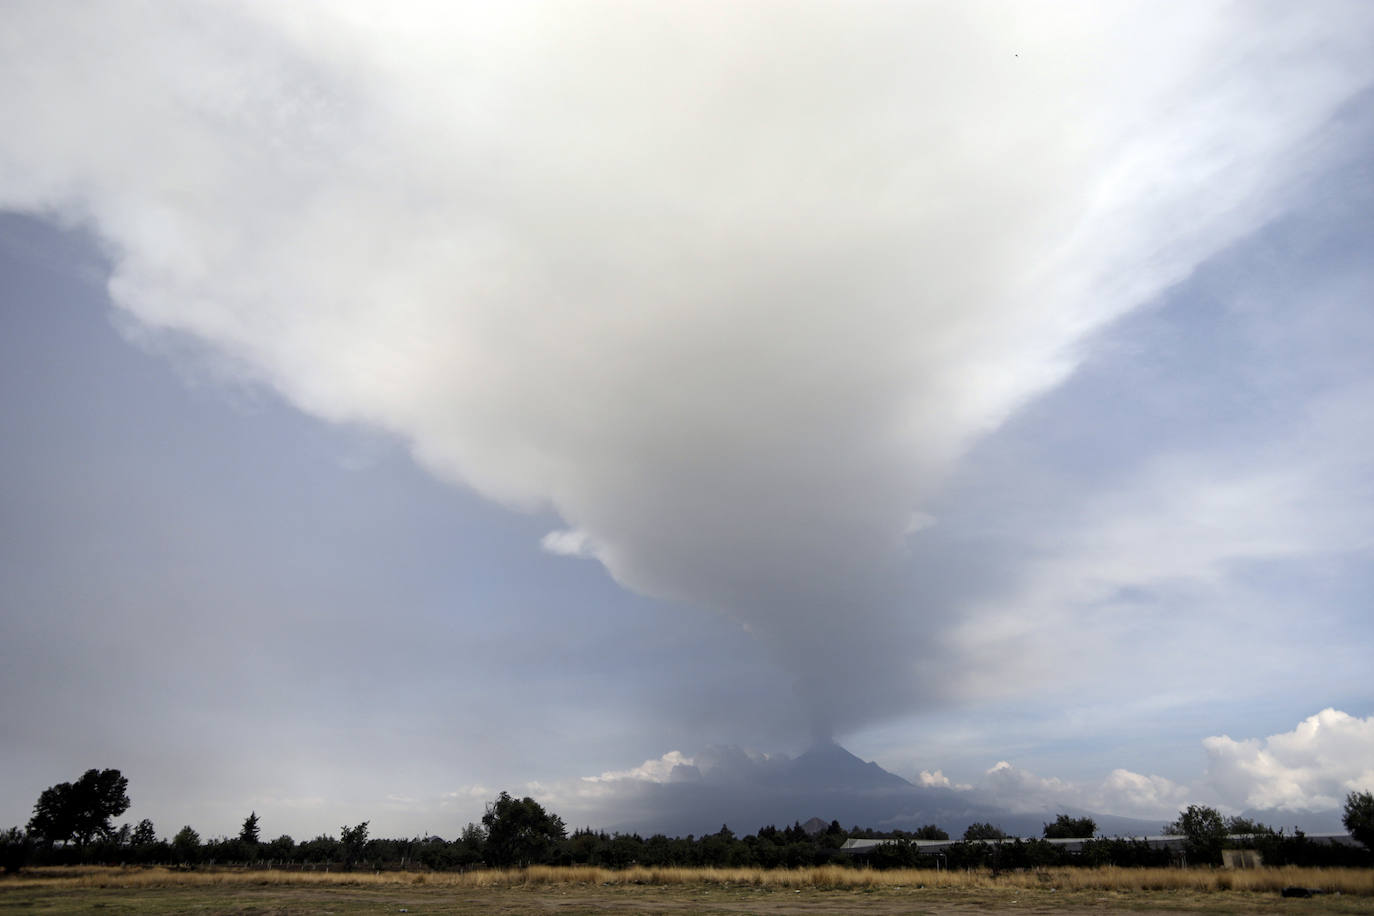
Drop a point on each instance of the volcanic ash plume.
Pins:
(730, 288)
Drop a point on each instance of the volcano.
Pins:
(827, 765)
(827, 782)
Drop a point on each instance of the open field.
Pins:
(572, 891)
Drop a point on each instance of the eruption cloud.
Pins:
(729, 288)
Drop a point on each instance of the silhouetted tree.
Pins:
(144, 834)
(832, 838)
(321, 849)
(984, 832)
(351, 842)
(471, 845)
(898, 853)
(15, 848)
(186, 845)
(81, 810)
(249, 831)
(1244, 825)
(1359, 817)
(1065, 827)
(930, 832)
(520, 831)
(281, 848)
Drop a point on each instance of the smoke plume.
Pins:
(729, 288)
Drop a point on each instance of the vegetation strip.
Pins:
(1350, 881)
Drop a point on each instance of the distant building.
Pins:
(863, 849)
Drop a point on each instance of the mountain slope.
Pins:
(829, 766)
(826, 782)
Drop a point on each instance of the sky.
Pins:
(401, 405)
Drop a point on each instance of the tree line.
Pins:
(1205, 833)
(72, 823)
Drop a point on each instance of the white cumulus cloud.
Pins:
(938, 780)
(1121, 792)
(673, 765)
(1312, 767)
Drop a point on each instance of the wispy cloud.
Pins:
(568, 542)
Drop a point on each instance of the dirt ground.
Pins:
(676, 900)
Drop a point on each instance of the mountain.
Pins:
(1289, 822)
(826, 782)
(829, 766)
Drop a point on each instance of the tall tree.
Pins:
(1359, 817)
(351, 842)
(471, 845)
(186, 844)
(249, 832)
(144, 834)
(1205, 830)
(520, 831)
(80, 811)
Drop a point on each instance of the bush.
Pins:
(15, 849)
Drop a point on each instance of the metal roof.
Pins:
(1074, 844)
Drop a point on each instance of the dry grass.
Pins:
(1262, 880)
(582, 891)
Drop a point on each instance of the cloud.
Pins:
(1020, 790)
(938, 780)
(729, 289)
(691, 793)
(1138, 795)
(569, 542)
(467, 793)
(1307, 770)
(919, 521)
(672, 766)
(1121, 792)
(1162, 558)
(1311, 768)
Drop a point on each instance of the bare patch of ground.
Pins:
(673, 900)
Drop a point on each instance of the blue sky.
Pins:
(402, 408)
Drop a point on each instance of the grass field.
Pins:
(572, 891)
